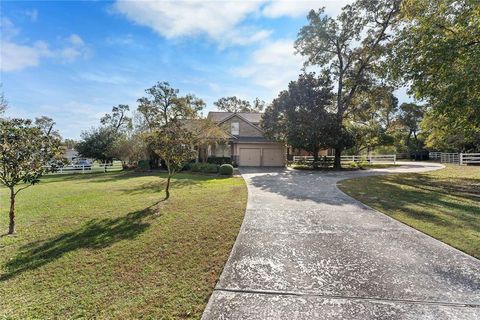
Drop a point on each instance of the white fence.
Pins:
(469, 158)
(449, 158)
(87, 169)
(434, 155)
(460, 158)
(381, 158)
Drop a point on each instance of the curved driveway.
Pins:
(308, 251)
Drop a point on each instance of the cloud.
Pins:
(15, 56)
(75, 48)
(104, 78)
(300, 8)
(32, 14)
(218, 20)
(272, 66)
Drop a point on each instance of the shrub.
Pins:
(353, 164)
(144, 164)
(203, 167)
(219, 160)
(226, 169)
(363, 164)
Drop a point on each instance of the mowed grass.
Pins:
(444, 204)
(93, 246)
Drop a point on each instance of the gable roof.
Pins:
(220, 116)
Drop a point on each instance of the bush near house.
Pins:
(226, 169)
(219, 160)
(203, 167)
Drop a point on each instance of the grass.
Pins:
(444, 204)
(93, 246)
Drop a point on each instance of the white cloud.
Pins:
(219, 20)
(32, 14)
(16, 56)
(272, 66)
(300, 8)
(104, 78)
(75, 48)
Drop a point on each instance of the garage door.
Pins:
(250, 157)
(273, 157)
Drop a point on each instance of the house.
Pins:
(246, 144)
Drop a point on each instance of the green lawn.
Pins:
(444, 204)
(91, 246)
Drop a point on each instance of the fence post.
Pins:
(394, 159)
(460, 160)
(83, 168)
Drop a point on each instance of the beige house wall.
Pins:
(245, 129)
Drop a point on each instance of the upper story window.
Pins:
(235, 128)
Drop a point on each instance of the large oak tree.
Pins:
(349, 47)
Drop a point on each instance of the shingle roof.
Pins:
(219, 116)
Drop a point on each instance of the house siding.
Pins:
(245, 129)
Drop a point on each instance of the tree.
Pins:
(410, 117)
(442, 133)
(350, 47)
(437, 53)
(234, 104)
(163, 104)
(25, 150)
(376, 109)
(174, 144)
(97, 143)
(3, 101)
(118, 119)
(46, 124)
(440, 50)
(300, 116)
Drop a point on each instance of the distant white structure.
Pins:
(71, 154)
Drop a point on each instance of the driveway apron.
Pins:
(306, 250)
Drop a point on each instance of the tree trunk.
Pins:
(337, 163)
(11, 227)
(167, 189)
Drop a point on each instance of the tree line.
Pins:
(361, 56)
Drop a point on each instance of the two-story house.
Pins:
(247, 145)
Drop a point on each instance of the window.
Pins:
(235, 128)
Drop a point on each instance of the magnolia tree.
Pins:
(172, 143)
(25, 150)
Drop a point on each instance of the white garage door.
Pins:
(250, 157)
(273, 157)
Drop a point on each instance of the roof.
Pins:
(219, 116)
(205, 129)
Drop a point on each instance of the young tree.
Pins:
(118, 119)
(349, 47)
(174, 144)
(300, 116)
(25, 150)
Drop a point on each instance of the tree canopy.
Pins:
(300, 116)
(234, 104)
(349, 47)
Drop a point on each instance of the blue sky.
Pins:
(73, 60)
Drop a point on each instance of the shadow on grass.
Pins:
(96, 234)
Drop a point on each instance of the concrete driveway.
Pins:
(308, 251)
